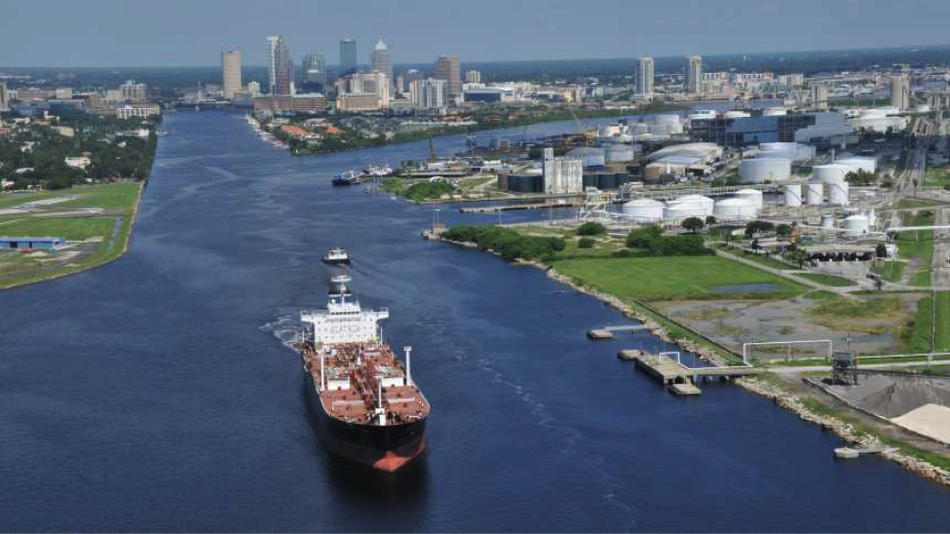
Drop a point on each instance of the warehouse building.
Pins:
(30, 243)
(788, 128)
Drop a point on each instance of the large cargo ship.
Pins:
(367, 406)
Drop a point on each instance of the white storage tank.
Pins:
(793, 195)
(872, 217)
(827, 221)
(814, 193)
(644, 210)
(837, 192)
(752, 195)
(707, 203)
(757, 171)
(865, 164)
(682, 210)
(592, 157)
(857, 225)
(736, 208)
(666, 119)
(831, 171)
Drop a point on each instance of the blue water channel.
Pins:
(155, 393)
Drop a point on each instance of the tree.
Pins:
(585, 242)
(783, 230)
(693, 224)
(755, 245)
(880, 250)
(710, 220)
(591, 228)
(757, 227)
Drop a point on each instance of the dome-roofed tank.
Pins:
(682, 210)
(644, 210)
(619, 153)
(857, 225)
(865, 164)
(736, 208)
(752, 195)
(707, 203)
(759, 170)
(830, 171)
(592, 157)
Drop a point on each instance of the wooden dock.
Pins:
(679, 378)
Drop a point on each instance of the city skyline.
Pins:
(549, 30)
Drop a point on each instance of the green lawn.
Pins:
(938, 177)
(892, 271)
(672, 278)
(827, 279)
(909, 203)
(72, 228)
(918, 245)
(760, 259)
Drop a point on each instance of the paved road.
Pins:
(791, 370)
(940, 277)
(786, 275)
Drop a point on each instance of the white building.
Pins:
(645, 76)
(78, 163)
(429, 93)
(231, 72)
(562, 175)
(694, 75)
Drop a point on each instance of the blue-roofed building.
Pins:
(40, 243)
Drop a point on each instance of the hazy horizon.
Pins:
(118, 34)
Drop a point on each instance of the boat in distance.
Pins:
(337, 256)
(350, 177)
(367, 407)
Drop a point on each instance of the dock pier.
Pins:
(667, 369)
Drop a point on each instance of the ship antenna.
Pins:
(323, 378)
(408, 349)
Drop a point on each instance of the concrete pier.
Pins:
(678, 378)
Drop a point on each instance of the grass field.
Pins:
(760, 259)
(938, 177)
(857, 315)
(827, 279)
(672, 278)
(117, 201)
(918, 245)
(931, 312)
(892, 271)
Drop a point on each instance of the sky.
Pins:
(133, 33)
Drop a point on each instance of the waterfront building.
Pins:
(348, 56)
(363, 91)
(132, 92)
(314, 69)
(279, 66)
(645, 76)
(900, 92)
(694, 75)
(473, 76)
(429, 93)
(562, 175)
(447, 68)
(381, 59)
(788, 128)
(129, 111)
(231, 73)
(299, 103)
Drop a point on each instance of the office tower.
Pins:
(231, 73)
(381, 59)
(645, 76)
(348, 56)
(694, 75)
(314, 68)
(4, 96)
(280, 67)
(401, 82)
(473, 76)
(429, 93)
(133, 92)
(819, 96)
(447, 68)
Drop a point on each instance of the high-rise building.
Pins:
(428, 94)
(314, 71)
(473, 76)
(381, 59)
(819, 96)
(133, 92)
(280, 66)
(900, 92)
(348, 56)
(4, 97)
(231, 73)
(363, 91)
(694, 75)
(645, 76)
(447, 68)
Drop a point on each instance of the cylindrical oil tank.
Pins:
(857, 225)
(619, 154)
(707, 203)
(682, 210)
(872, 217)
(757, 171)
(827, 221)
(644, 210)
(831, 171)
(592, 157)
(752, 195)
(640, 128)
(793, 195)
(736, 208)
(864, 164)
(814, 193)
(837, 192)
(666, 119)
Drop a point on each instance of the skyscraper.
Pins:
(280, 66)
(231, 72)
(447, 68)
(694, 75)
(381, 59)
(900, 92)
(348, 56)
(3, 95)
(314, 70)
(645, 76)
(473, 76)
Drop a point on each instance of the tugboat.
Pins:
(367, 406)
(350, 177)
(337, 256)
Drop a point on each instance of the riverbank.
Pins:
(925, 458)
(97, 222)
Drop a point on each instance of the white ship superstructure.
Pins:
(344, 321)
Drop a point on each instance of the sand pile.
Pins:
(932, 420)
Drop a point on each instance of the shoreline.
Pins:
(781, 397)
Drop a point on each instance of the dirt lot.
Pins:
(733, 323)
